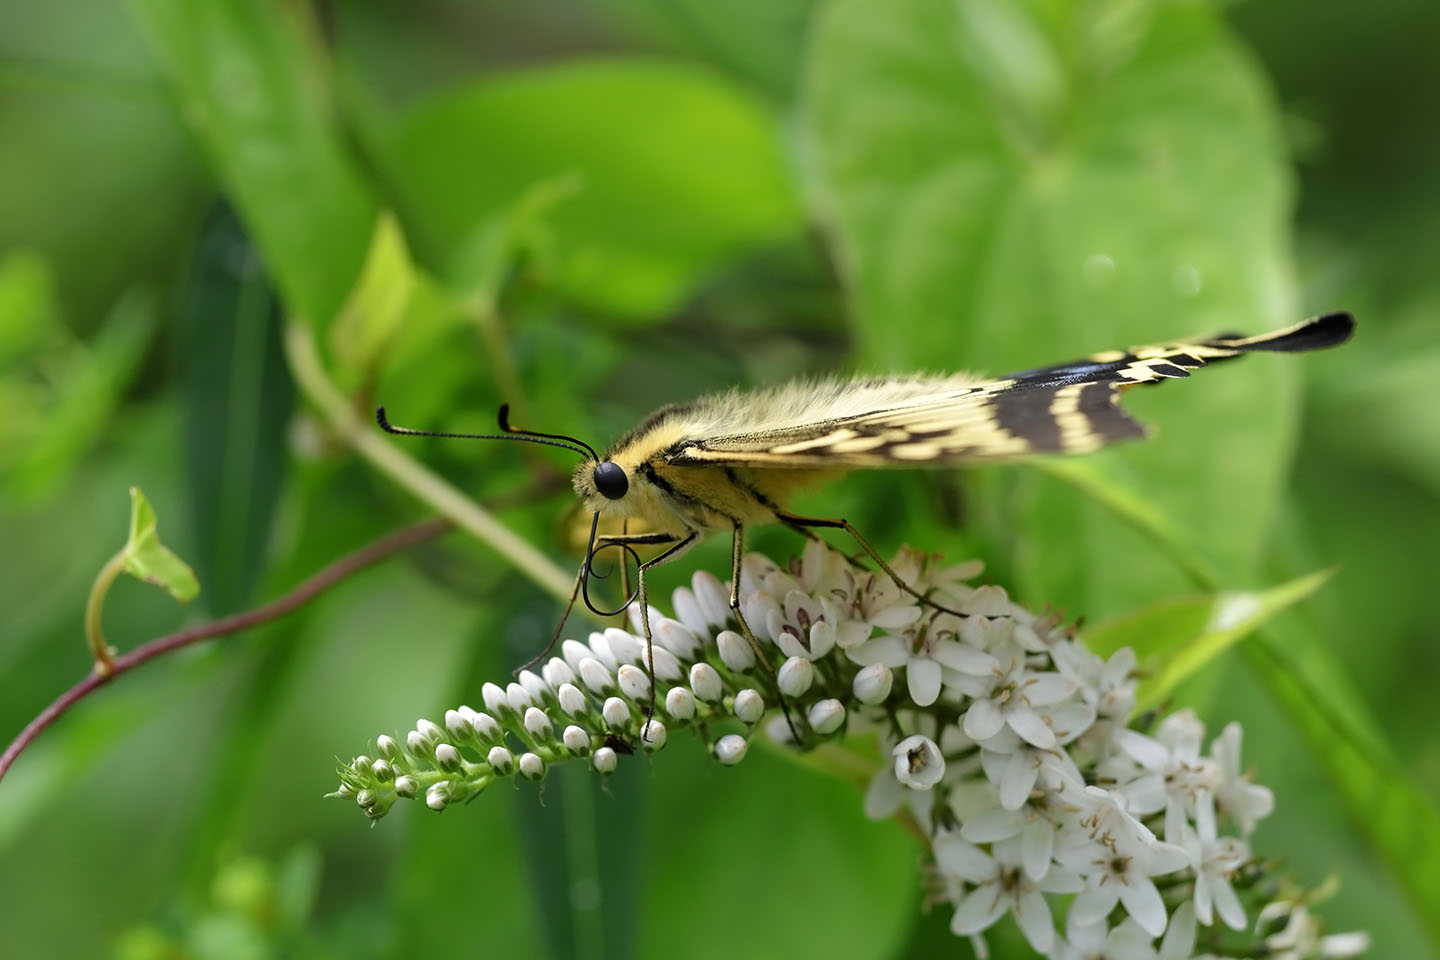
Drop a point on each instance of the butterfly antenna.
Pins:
(549, 439)
(517, 432)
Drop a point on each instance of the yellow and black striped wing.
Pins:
(1067, 408)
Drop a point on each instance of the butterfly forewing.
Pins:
(1067, 408)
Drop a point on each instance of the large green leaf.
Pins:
(1175, 638)
(248, 75)
(1014, 183)
(237, 403)
(673, 170)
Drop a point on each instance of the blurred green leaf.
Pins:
(759, 40)
(250, 76)
(1401, 822)
(375, 311)
(58, 393)
(238, 398)
(147, 559)
(676, 171)
(1175, 638)
(1012, 183)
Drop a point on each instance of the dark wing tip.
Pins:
(1331, 330)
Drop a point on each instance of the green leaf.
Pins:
(376, 309)
(249, 77)
(676, 170)
(146, 558)
(1014, 184)
(237, 400)
(1175, 638)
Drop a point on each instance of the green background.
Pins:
(607, 206)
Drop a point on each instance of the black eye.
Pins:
(610, 480)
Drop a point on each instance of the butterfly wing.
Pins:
(1067, 408)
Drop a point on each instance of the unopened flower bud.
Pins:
(826, 716)
(447, 757)
(431, 730)
(735, 651)
(418, 746)
(383, 771)
(361, 762)
(556, 672)
(605, 760)
(487, 728)
(872, 684)
(667, 665)
(653, 735)
(919, 764)
(676, 638)
(388, 747)
(572, 700)
(594, 675)
(376, 811)
(518, 697)
(749, 706)
(532, 767)
(458, 727)
(537, 723)
(533, 685)
(365, 799)
(495, 700)
(576, 740)
(705, 681)
(616, 712)
(406, 786)
(680, 703)
(574, 651)
(633, 682)
(795, 677)
(438, 796)
(624, 647)
(730, 749)
(501, 760)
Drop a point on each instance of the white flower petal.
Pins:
(1095, 902)
(1144, 904)
(963, 658)
(994, 824)
(963, 860)
(979, 910)
(884, 796)
(1167, 858)
(983, 720)
(1227, 904)
(1179, 940)
(1036, 844)
(1016, 782)
(892, 651)
(1029, 725)
(923, 677)
(1043, 689)
(897, 617)
(1032, 913)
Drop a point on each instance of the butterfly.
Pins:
(736, 459)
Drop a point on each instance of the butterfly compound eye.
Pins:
(610, 480)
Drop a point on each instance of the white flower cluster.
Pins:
(1010, 746)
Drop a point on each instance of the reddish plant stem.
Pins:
(351, 563)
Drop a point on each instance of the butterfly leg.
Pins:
(737, 554)
(678, 545)
(802, 523)
(555, 637)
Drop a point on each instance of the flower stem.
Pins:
(94, 634)
(371, 445)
